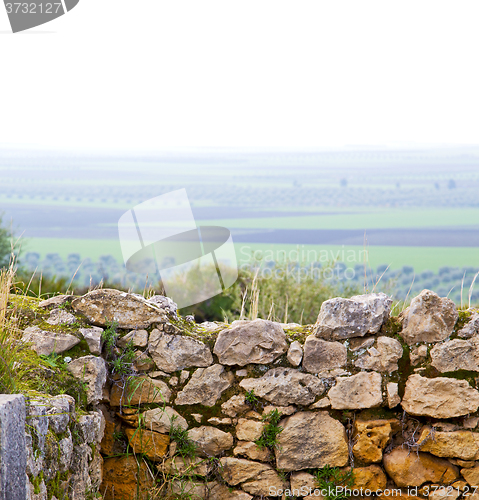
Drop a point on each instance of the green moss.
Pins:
(55, 487)
(36, 481)
(462, 320)
(392, 327)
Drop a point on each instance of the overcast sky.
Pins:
(157, 74)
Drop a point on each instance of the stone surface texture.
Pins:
(284, 386)
(358, 391)
(176, 352)
(246, 342)
(440, 397)
(429, 318)
(355, 317)
(310, 440)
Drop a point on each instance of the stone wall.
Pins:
(255, 409)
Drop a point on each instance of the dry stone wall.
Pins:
(254, 409)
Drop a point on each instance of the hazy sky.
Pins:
(156, 74)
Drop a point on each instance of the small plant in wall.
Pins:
(334, 481)
(120, 362)
(184, 445)
(251, 399)
(269, 437)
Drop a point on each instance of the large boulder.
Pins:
(355, 317)
(356, 392)
(456, 355)
(311, 440)
(382, 358)
(440, 397)
(205, 386)
(320, 355)
(104, 306)
(45, 342)
(246, 342)
(429, 318)
(177, 352)
(93, 372)
(284, 386)
(409, 468)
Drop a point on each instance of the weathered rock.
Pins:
(177, 352)
(429, 318)
(220, 421)
(408, 468)
(90, 427)
(320, 355)
(382, 358)
(418, 354)
(91, 370)
(321, 404)
(283, 386)
(142, 362)
(456, 355)
(60, 317)
(161, 419)
(164, 303)
(282, 410)
(267, 483)
(136, 338)
(13, 458)
(471, 476)
(471, 328)
(205, 386)
(256, 478)
(355, 317)
(221, 492)
(139, 390)
(93, 337)
(56, 301)
(252, 451)
(234, 405)
(210, 441)
(311, 440)
(303, 484)
(45, 343)
(358, 391)
(246, 342)
(393, 395)
(187, 466)
(440, 397)
(58, 409)
(152, 444)
(369, 478)
(249, 430)
(457, 444)
(124, 476)
(370, 437)
(104, 306)
(295, 354)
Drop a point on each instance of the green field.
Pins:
(421, 258)
(363, 218)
